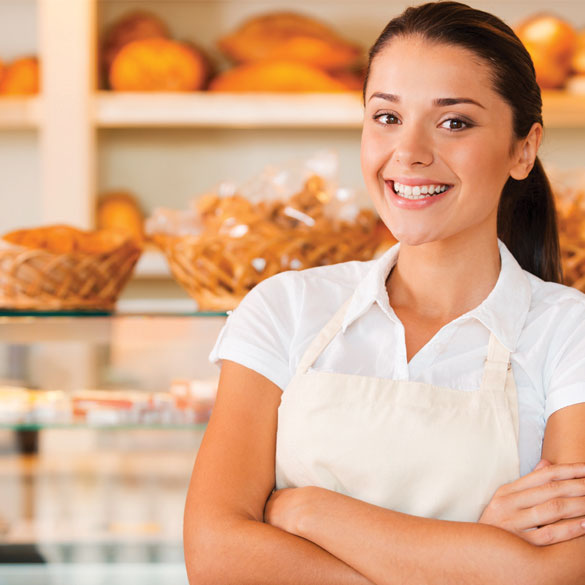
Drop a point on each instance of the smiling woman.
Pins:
(418, 418)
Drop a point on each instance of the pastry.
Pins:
(285, 76)
(21, 77)
(158, 65)
(120, 211)
(292, 37)
(133, 26)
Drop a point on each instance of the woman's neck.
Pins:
(442, 280)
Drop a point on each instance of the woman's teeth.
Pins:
(418, 192)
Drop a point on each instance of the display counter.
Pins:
(94, 487)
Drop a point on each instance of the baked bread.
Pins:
(578, 62)
(120, 211)
(276, 76)
(158, 65)
(21, 77)
(292, 37)
(64, 239)
(133, 26)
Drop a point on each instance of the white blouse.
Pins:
(541, 323)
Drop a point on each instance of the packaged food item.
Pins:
(569, 189)
(284, 219)
(158, 64)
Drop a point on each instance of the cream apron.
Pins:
(407, 446)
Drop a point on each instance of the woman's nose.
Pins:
(413, 147)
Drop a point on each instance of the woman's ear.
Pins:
(526, 153)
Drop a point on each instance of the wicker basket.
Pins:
(570, 204)
(40, 280)
(217, 270)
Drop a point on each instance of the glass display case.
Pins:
(100, 420)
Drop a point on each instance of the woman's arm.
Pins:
(393, 548)
(225, 539)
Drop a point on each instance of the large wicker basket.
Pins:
(217, 270)
(40, 280)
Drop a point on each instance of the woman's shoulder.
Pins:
(552, 296)
(275, 319)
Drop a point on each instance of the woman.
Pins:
(401, 407)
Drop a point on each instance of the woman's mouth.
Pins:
(415, 192)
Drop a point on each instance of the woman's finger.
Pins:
(550, 512)
(554, 533)
(553, 490)
(538, 477)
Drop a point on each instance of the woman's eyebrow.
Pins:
(439, 102)
(442, 102)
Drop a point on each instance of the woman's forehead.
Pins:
(412, 62)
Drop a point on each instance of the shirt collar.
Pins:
(503, 312)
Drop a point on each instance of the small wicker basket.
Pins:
(42, 280)
(217, 270)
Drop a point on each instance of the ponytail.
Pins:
(527, 224)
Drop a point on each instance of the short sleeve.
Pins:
(258, 333)
(566, 383)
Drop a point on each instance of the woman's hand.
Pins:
(287, 508)
(544, 507)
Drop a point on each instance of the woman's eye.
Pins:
(387, 119)
(455, 124)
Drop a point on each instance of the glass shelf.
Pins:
(198, 426)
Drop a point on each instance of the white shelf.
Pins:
(19, 112)
(228, 110)
(272, 110)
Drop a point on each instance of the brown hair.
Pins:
(527, 221)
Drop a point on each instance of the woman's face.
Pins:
(437, 141)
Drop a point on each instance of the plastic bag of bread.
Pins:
(287, 217)
(292, 37)
(277, 76)
(133, 26)
(158, 64)
(569, 190)
(21, 77)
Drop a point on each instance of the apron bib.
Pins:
(411, 447)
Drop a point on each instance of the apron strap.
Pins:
(496, 366)
(322, 340)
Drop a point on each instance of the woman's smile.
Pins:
(415, 193)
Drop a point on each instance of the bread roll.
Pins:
(277, 76)
(120, 211)
(21, 77)
(134, 26)
(291, 37)
(158, 65)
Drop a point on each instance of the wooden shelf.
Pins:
(19, 112)
(563, 110)
(262, 110)
(228, 110)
